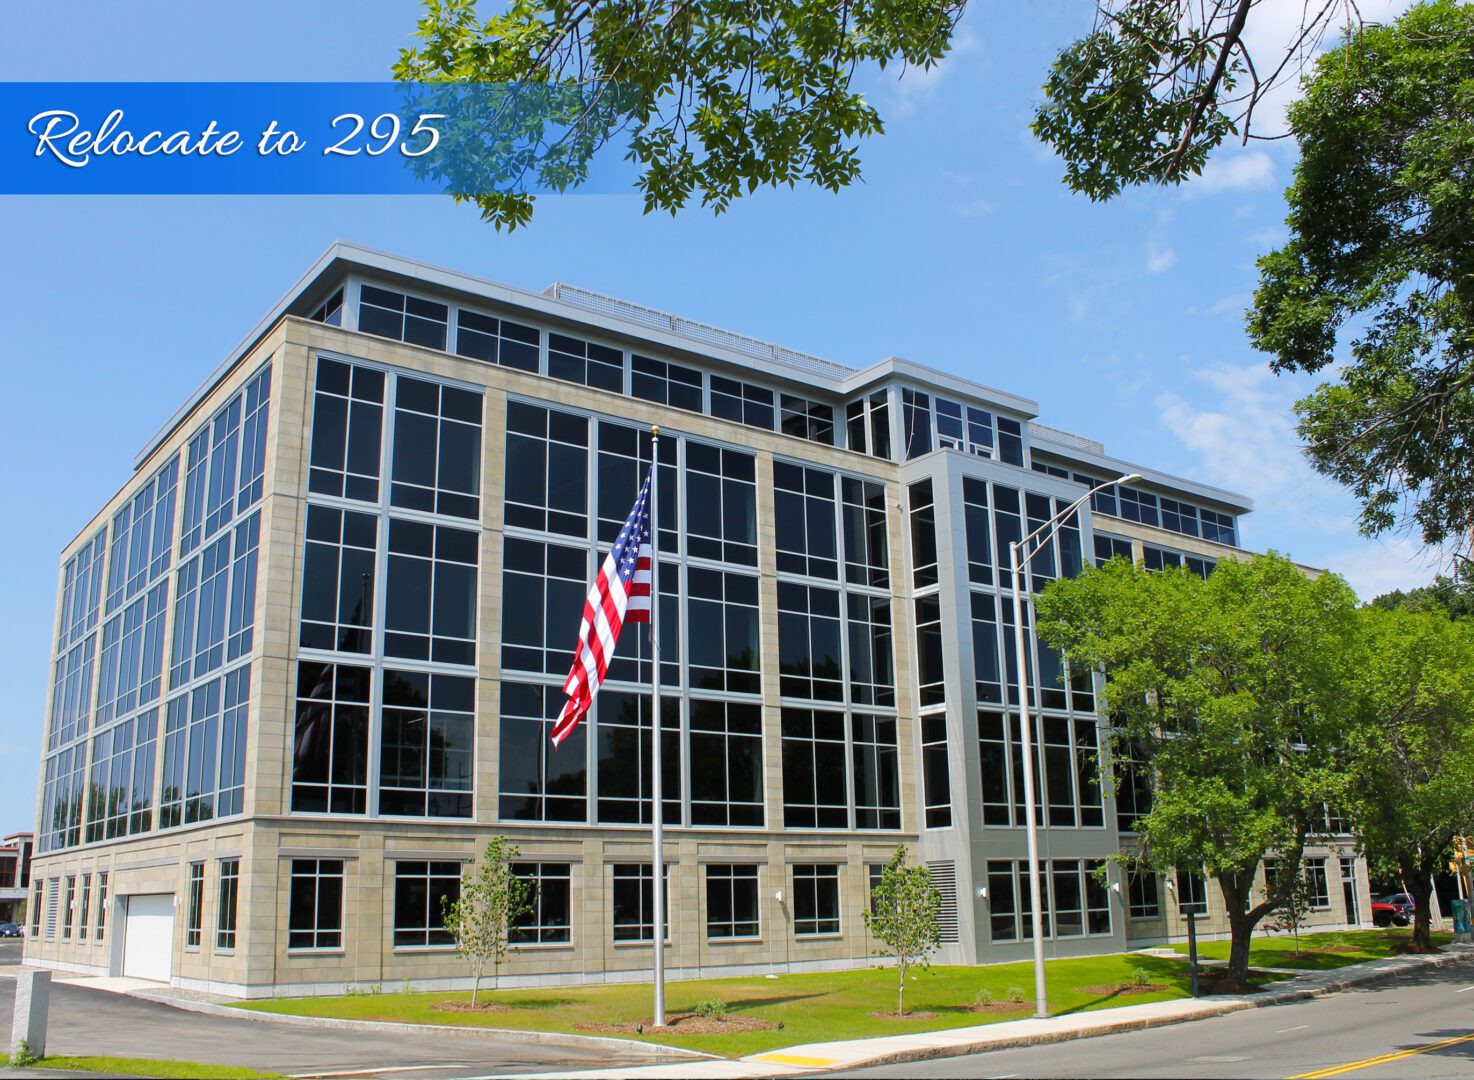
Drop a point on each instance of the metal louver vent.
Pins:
(944, 877)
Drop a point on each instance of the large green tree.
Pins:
(1376, 282)
(1232, 691)
(721, 97)
(1451, 594)
(1408, 781)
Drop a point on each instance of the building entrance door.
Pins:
(1348, 886)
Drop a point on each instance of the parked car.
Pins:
(10, 929)
(1385, 914)
(1403, 901)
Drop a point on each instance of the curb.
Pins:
(1230, 1005)
(550, 1038)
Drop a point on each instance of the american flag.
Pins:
(620, 594)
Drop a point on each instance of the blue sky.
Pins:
(961, 250)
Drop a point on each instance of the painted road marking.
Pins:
(797, 1059)
(1465, 990)
(1297, 1027)
(1366, 1063)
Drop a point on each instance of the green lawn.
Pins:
(125, 1066)
(813, 1006)
(1319, 952)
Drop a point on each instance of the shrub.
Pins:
(23, 1056)
(983, 997)
(1139, 977)
(1015, 995)
(711, 1009)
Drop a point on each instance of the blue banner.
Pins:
(312, 138)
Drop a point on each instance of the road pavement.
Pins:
(97, 1022)
(1419, 1025)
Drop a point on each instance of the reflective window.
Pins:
(1145, 895)
(809, 642)
(496, 341)
(742, 402)
(315, 904)
(721, 504)
(547, 485)
(430, 594)
(575, 360)
(915, 423)
(726, 751)
(403, 318)
(923, 534)
(815, 899)
(930, 662)
(731, 902)
(1010, 441)
(228, 897)
(804, 518)
(1074, 901)
(347, 431)
(550, 920)
(539, 782)
(1111, 547)
(624, 751)
(936, 776)
(1138, 505)
(330, 747)
(194, 926)
(543, 588)
(338, 580)
(872, 677)
(877, 771)
(815, 773)
(665, 383)
(427, 744)
(122, 781)
(634, 902)
(722, 635)
(866, 546)
(422, 892)
(811, 420)
(142, 537)
(437, 448)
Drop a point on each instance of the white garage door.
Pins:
(148, 937)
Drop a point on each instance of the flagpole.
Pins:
(657, 807)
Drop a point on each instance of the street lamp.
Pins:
(1041, 1004)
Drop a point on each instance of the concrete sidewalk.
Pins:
(952, 1042)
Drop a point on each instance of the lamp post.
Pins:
(1026, 736)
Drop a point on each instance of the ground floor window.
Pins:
(194, 928)
(36, 892)
(634, 902)
(101, 904)
(1192, 893)
(1318, 888)
(815, 899)
(84, 913)
(1146, 900)
(1074, 901)
(550, 921)
(422, 892)
(66, 911)
(230, 883)
(53, 904)
(731, 902)
(315, 919)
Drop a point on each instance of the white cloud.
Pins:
(1235, 172)
(1382, 566)
(1159, 259)
(917, 85)
(974, 208)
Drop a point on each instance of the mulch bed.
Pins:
(683, 1024)
(908, 1016)
(467, 1007)
(1125, 989)
(999, 1007)
(1215, 984)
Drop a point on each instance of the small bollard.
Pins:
(32, 1003)
(1192, 950)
